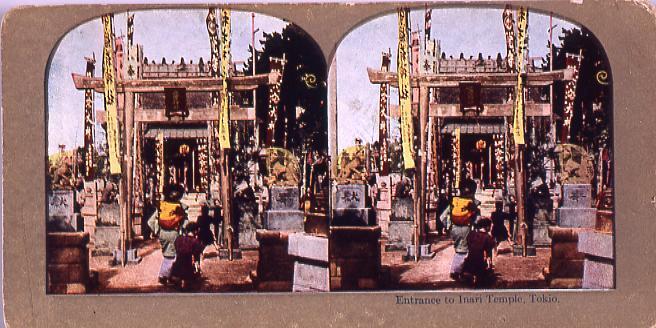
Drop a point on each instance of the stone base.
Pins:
(425, 252)
(224, 253)
(308, 247)
(275, 267)
(577, 217)
(400, 235)
(132, 257)
(284, 220)
(598, 266)
(541, 235)
(598, 274)
(530, 250)
(67, 270)
(311, 277)
(566, 263)
(310, 254)
(355, 258)
(106, 240)
(352, 217)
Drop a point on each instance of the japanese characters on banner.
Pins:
(383, 134)
(572, 62)
(405, 101)
(203, 160)
(509, 27)
(161, 168)
(110, 96)
(224, 113)
(456, 157)
(499, 158)
(88, 125)
(522, 45)
(214, 72)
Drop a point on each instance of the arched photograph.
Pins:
(222, 151)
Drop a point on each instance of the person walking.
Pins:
(499, 231)
(188, 251)
(165, 223)
(477, 266)
(461, 213)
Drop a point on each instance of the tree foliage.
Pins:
(302, 116)
(592, 116)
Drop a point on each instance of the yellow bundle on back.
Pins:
(462, 210)
(170, 215)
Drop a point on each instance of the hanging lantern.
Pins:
(184, 149)
(481, 144)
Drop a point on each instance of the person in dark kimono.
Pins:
(205, 221)
(477, 263)
(188, 250)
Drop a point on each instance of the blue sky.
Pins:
(460, 30)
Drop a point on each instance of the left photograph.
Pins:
(186, 149)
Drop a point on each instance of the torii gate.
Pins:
(424, 109)
(128, 114)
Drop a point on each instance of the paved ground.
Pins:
(511, 271)
(233, 276)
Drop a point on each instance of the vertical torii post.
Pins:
(127, 162)
(422, 181)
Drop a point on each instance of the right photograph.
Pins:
(476, 146)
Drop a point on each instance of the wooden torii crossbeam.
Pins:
(236, 83)
(452, 80)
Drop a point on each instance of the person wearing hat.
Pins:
(166, 222)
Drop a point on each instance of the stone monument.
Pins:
(283, 213)
(61, 215)
(350, 206)
(401, 224)
(576, 210)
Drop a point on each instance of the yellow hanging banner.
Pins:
(109, 81)
(224, 113)
(518, 115)
(405, 93)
